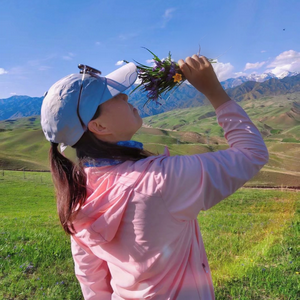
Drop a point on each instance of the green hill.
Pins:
(184, 132)
(276, 117)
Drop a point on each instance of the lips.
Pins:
(132, 107)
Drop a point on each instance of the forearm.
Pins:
(218, 97)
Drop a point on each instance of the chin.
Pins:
(141, 120)
(141, 124)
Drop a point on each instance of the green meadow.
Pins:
(251, 239)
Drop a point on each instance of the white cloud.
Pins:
(127, 36)
(20, 70)
(285, 61)
(69, 56)
(167, 16)
(150, 62)
(223, 70)
(168, 13)
(238, 74)
(44, 68)
(263, 51)
(119, 63)
(98, 43)
(40, 63)
(2, 71)
(25, 71)
(13, 94)
(256, 65)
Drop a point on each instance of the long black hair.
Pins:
(69, 178)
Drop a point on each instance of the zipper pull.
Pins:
(204, 268)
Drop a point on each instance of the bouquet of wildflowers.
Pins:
(160, 78)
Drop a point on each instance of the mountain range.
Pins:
(233, 82)
(239, 89)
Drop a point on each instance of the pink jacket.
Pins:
(137, 233)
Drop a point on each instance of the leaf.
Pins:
(144, 66)
(136, 88)
(156, 57)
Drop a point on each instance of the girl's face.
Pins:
(118, 120)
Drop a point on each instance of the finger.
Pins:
(205, 61)
(192, 62)
(196, 57)
(184, 68)
(200, 60)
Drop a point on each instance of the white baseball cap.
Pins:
(71, 102)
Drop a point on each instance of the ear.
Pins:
(97, 128)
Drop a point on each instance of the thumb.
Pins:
(184, 68)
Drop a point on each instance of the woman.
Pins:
(132, 216)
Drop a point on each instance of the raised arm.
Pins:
(191, 183)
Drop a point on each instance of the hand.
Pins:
(200, 73)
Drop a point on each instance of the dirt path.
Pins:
(279, 154)
(279, 188)
(295, 173)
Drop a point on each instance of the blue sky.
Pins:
(42, 41)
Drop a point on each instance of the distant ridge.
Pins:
(272, 87)
(184, 97)
(19, 107)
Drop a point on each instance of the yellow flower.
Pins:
(177, 77)
(297, 273)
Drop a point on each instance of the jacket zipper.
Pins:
(204, 268)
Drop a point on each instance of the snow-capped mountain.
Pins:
(260, 77)
(233, 82)
(287, 74)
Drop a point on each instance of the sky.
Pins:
(42, 41)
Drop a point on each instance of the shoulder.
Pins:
(144, 165)
(128, 173)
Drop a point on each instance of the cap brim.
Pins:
(121, 79)
(97, 90)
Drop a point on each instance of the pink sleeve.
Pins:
(92, 273)
(197, 182)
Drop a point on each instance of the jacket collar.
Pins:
(101, 162)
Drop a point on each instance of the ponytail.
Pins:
(70, 179)
(70, 186)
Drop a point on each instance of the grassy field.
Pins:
(251, 238)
